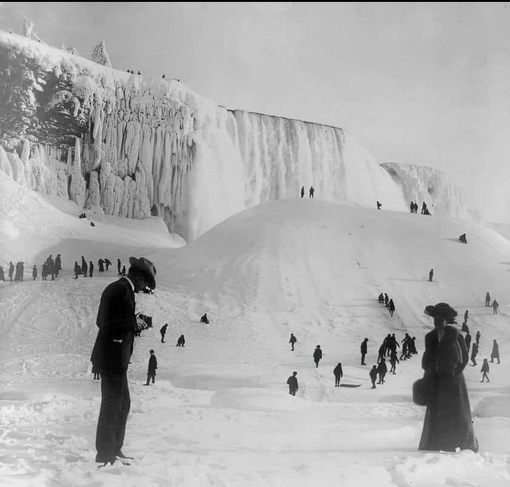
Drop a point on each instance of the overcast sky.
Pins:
(419, 83)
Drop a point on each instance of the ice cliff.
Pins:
(133, 146)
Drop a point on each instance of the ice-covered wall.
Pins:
(134, 146)
(425, 184)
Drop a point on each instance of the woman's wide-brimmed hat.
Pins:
(442, 310)
(147, 267)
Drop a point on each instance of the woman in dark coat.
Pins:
(447, 424)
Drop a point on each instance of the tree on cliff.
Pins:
(100, 55)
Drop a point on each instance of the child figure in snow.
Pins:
(181, 341)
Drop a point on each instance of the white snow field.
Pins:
(219, 413)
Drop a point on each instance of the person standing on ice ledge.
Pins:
(447, 425)
(111, 354)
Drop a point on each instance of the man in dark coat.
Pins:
(302, 191)
(338, 374)
(163, 332)
(107, 263)
(312, 191)
(100, 264)
(34, 272)
(91, 269)
(151, 369)
(112, 351)
(204, 319)
(364, 350)
(84, 266)
(11, 270)
(2, 275)
(488, 299)
(448, 423)
(119, 267)
(317, 355)
(495, 351)
(293, 384)
(431, 275)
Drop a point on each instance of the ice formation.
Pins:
(135, 146)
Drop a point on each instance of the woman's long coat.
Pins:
(447, 424)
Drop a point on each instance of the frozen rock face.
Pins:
(424, 184)
(136, 146)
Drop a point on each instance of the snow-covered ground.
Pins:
(220, 413)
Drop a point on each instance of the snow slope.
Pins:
(219, 413)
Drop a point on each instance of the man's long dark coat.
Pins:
(447, 424)
(110, 357)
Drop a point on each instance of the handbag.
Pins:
(421, 391)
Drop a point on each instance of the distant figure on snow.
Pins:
(381, 298)
(317, 355)
(34, 272)
(373, 375)
(151, 369)
(477, 338)
(423, 208)
(181, 341)
(485, 370)
(431, 274)
(11, 270)
(363, 349)
(77, 269)
(2, 275)
(338, 374)
(312, 191)
(495, 306)
(495, 351)
(474, 353)
(302, 192)
(293, 384)
(204, 319)
(107, 263)
(466, 315)
(84, 266)
(463, 238)
(119, 267)
(382, 368)
(100, 264)
(378, 205)
(468, 340)
(91, 269)
(123, 272)
(163, 332)
(391, 307)
(487, 299)
(386, 299)
(292, 341)
(58, 264)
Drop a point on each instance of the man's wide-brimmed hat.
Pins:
(442, 310)
(147, 267)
